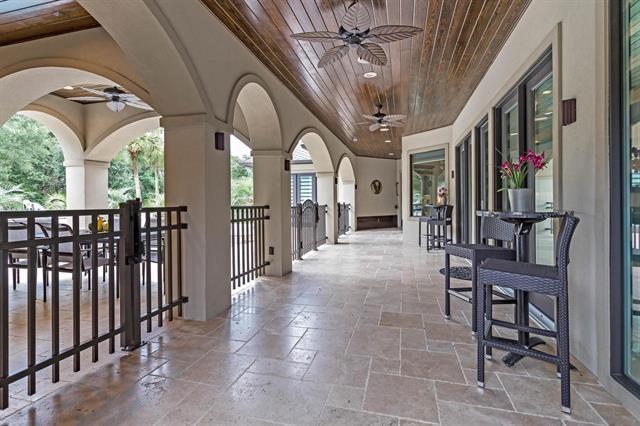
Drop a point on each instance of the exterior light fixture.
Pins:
(68, 87)
(115, 105)
(370, 74)
(388, 141)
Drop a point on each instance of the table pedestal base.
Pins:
(511, 359)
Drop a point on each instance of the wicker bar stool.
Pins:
(491, 229)
(438, 227)
(530, 277)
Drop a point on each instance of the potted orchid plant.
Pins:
(443, 192)
(514, 173)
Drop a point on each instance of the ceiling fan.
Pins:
(116, 98)
(355, 32)
(382, 121)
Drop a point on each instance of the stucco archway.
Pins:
(347, 187)
(67, 137)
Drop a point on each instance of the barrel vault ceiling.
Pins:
(429, 77)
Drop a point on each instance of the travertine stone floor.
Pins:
(355, 336)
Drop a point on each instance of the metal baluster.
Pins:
(4, 315)
(160, 277)
(179, 248)
(55, 298)
(77, 279)
(94, 288)
(112, 265)
(148, 267)
(169, 263)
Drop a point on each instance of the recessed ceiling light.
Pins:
(57, 13)
(362, 61)
(391, 153)
(370, 74)
(548, 113)
(388, 141)
(68, 87)
(355, 140)
(541, 118)
(384, 129)
(546, 92)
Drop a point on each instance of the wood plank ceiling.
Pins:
(24, 20)
(429, 77)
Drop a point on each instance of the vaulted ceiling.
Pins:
(429, 77)
(24, 20)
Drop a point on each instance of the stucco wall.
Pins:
(368, 203)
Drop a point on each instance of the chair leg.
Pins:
(89, 281)
(488, 303)
(447, 286)
(15, 278)
(428, 237)
(563, 352)
(480, 339)
(474, 297)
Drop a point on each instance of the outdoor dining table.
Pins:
(523, 222)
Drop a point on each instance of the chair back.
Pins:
(494, 228)
(445, 212)
(563, 241)
(432, 212)
(64, 230)
(17, 231)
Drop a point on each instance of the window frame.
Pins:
(410, 153)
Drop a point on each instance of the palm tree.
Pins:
(117, 196)
(154, 157)
(134, 149)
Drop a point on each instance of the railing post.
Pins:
(130, 250)
(299, 225)
(4, 316)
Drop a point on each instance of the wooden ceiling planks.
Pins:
(22, 21)
(428, 77)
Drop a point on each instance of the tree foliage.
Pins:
(241, 182)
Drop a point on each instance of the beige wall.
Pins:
(368, 203)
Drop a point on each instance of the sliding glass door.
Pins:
(625, 193)
(482, 170)
(464, 207)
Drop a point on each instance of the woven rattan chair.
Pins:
(438, 227)
(530, 277)
(493, 230)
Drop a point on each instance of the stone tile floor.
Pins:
(355, 336)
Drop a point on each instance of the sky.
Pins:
(238, 148)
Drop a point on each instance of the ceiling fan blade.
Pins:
(394, 117)
(96, 92)
(362, 122)
(137, 104)
(87, 99)
(374, 127)
(321, 36)
(369, 117)
(357, 19)
(395, 124)
(332, 55)
(389, 33)
(372, 53)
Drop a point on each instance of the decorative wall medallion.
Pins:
(376, 186)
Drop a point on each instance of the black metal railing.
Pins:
(343, 218)
(308, 228)
(248, 256)
(81, 243)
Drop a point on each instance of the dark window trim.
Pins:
(446, 166)
(460, 238)
(478, 151)
(617, 215)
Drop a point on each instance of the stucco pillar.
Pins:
(272, 187)
(197, 176)
(328, 194)
(347, 194)
(87, 184)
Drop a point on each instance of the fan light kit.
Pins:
(355, 140)
(355, 32)
(362, 61)
(391, 153)
(370, 74)
(116, 106)
(68, 87)
(388, 140)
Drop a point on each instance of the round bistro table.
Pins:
(523, 222)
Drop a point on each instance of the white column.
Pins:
(347, 194)
(87, 184)
(272, 187)
(327, 194)
(197, 176)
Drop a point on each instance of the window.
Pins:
(303, 187)
(428, 173)
(625, 194)
(482, 170)
(463, 191)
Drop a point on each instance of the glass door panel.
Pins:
(482, 171)
(463, 191)
(631, 187)
(542, 128)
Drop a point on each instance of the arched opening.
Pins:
(347, 190)
(32, 178)
(241, 173)
(313, 178)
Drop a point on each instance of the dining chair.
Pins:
(438, 227)
(534, 278)
(492, 231)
